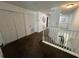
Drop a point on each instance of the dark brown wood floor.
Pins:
(32, 47)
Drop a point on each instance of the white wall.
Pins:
(53, 21)
(17, 22)
(30, 22)
(6, 6)
(7, 27)
(54, 17)
(12, 24)
(76, 19)
(41, 24)
(71, 19)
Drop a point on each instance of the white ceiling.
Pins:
(38, 5)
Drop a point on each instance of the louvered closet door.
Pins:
(7, 27)
(20, 24)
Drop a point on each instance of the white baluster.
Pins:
(65, 38)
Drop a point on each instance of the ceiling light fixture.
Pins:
(70, 5)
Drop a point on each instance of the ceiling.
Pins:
(38, 5)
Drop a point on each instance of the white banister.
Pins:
(70, 38)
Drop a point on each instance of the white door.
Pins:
(7, 27)
(29, 23)
(27, 26)
(20, 24)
